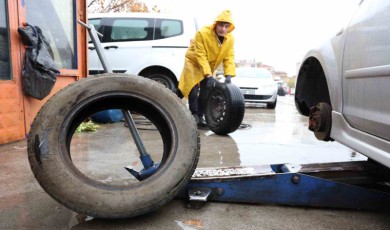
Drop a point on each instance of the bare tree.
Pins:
(91, 2)
(105, 6)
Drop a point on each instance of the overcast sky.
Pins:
(275, 32)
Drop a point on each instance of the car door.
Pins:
(366, 69)
(171, 42)
(128, 43)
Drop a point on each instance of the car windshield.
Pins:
(253, 73)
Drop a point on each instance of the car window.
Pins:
(166, 28)
(57, 22)
(136, 29)
(96, 23)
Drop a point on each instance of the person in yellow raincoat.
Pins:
(212, 46)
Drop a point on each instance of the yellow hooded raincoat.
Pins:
(206, 53)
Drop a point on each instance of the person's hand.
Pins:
(210, 82)
(228, 79)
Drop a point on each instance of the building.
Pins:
(58, 21)
(254, 63)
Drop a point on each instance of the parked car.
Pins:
(145, 44)
(282, 88)
(257, 85)
(343, 86)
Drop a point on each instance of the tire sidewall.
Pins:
(234, 112)
(52, 172)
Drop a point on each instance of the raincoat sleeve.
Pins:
(201, 54)
(228, 63)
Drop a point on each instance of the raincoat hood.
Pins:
(225, 16)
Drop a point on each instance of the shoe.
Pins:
(202, 122)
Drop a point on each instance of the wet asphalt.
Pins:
(267, 137)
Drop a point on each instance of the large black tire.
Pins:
(225, 108)
(51, 133)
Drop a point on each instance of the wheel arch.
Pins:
(159, 69)
(311, 86)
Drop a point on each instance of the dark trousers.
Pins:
(197, 98)
(194, 102)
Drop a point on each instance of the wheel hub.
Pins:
(315, 119)
(320, 121)
(218, 105)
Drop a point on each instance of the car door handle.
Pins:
(108, 47)
(91, 48)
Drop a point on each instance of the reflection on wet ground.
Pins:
(267, 137)
(271, 136)
(103, 155)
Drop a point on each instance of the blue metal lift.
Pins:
(349, 185)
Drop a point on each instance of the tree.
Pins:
(115, 6)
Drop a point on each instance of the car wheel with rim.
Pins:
(225, 108)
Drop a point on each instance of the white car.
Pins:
(146, 44)
(257, 85)
(343, 86)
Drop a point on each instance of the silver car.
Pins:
(344, 85)
(257, 85)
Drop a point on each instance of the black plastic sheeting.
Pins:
(39, 72)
